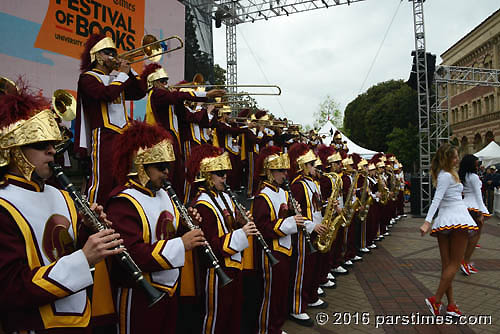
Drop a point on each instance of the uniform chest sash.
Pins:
(48, 223)
(114, 114)
(275, 200)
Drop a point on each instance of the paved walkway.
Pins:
(385, 292)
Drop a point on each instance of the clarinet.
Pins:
(224, 279)
(124, 258)
(261, 240)
(297, 211)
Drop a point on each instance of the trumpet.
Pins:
(152, 49)
(276, 93)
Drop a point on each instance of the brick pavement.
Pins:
(396, 277)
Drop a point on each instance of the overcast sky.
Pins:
(329, 51)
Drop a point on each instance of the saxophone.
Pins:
(382, 189)
(365, 202)
(324, 242)
(349, 206)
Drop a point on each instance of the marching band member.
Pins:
(337, 261)
(165, 107)
(271, 213)
(149, 223)
(349, 180)
(373, 211)
(303, 284)
(208, 165)
(101, 115)
(101, 118)
(328, 183)
(44, 274)
(228, 136)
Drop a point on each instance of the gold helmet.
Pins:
(24, 120)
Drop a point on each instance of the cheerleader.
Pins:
(474, 202)
(452, 226)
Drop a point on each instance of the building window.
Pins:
(486, 104)
(492, 103)
(479, 111)
(474, 109)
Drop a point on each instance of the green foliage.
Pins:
(195, 60)
(375, 114)
(329, 109)
(219, 75)
(404, 144)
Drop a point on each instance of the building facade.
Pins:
(475, 111)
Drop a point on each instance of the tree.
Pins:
(328, 110)
(404, 144)
(195, 60)
(219, 75)
(388, 108)
(374, 114)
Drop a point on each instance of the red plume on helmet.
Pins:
(324, 152)
(296, 150)
(264, 153)
(356, 158)
(22, 104)
(85, 63)
(244, 113)
(260, 113)
(197, 155)
(137, 135)
(148, 69)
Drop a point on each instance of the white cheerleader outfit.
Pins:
(472, 194)
(453, 213)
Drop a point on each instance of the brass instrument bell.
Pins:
(64, 105)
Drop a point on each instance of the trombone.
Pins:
(276, 93)
(152, 49)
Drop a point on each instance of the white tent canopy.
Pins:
(490, 155)
(329, 129)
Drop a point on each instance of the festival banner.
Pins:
(68, 24)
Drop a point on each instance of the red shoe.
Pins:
(472, 268)
(478, 246)
(465, 268)
(453, 311)
(434, 307)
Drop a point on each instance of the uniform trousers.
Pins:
(222, 309)
(135, 317)
(274, 293)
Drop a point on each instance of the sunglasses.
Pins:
(42, 145)
(281, 170)
(220, 173)
(161, 166)
(109, 52)
(163, 81)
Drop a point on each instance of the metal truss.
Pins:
(234, 12)
(441, 110)
(468, 76)
(424, 117)
(254, 10)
